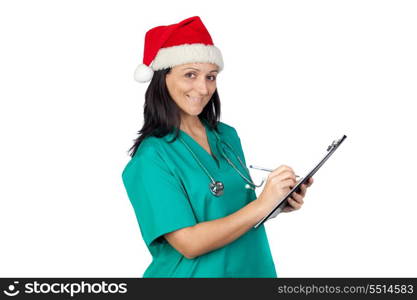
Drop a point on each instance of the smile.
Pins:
(195, 99)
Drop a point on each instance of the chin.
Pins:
(194, 113)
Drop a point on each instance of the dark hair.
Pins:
(162, 115)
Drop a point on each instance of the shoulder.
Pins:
(149, 149)
(226, 129)
(148, 155)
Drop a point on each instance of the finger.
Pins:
(282, 169)
(287, 176)
(288, 183)
(288, 208)
(279, 170)
(294, 203)
(303, 189)
(310, 181)
(297, 197)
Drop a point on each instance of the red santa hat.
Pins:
(185, 42)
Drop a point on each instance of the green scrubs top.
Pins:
(169, 190)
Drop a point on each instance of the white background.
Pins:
(297, 75)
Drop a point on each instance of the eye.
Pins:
(210, 77)
(189, 74)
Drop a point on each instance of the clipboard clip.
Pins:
(332, 148)
(335, 143)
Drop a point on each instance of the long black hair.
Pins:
(162, 115)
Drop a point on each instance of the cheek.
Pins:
(213, 86)
(181, 88)
(211, 93)
(176, 87)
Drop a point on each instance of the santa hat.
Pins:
(185, 42)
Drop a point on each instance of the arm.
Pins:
(204, 237)
(207, 236)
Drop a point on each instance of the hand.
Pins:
(296, 200)
(280, 181)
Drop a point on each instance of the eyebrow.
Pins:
(199, 70)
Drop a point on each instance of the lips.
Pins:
(194, 99)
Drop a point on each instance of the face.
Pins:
(191, 86)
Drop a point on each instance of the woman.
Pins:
(187, 181)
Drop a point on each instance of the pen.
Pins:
(264, 169)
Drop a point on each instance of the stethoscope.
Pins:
(217, 187)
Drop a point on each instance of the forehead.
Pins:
(200, 67)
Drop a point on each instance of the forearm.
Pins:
(207, 236)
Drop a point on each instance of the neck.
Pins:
(192, 125)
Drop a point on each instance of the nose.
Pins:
(201, 86)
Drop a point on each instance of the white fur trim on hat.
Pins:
(187, 53)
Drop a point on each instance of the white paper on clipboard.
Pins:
(330, 149)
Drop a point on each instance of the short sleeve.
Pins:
(159, 201)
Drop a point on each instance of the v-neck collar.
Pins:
(195, 146)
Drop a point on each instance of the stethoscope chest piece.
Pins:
(216, 188)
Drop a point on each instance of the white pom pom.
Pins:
(143, 73)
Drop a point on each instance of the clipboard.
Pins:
(330, 149)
